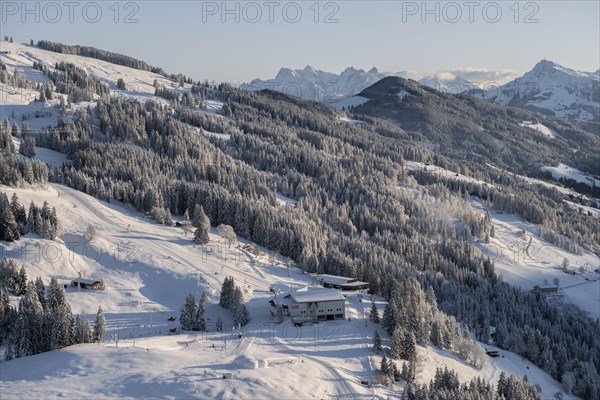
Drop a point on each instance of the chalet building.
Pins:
(341, 282)
(546, 289)
(317, 303)
(85, 283)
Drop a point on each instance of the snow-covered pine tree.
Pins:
(241, 316)
(201, 235)
(199, 320)
(374, 314)
(395, 371)
(199, 218)
(28, 333)
(240, 313)
(377, 348)
(465, 333)
(397, 346)
(5, 310)
(204, 227)
(19, 213)
(21, 282)
(389, 322)
(82, 332)
(227, 293)
(436, 336)
(9, 230)
(27, 147)
(99, 327)
(41, 291)
(188, 313)
(384, 366)
(219, 324)
(409, 346)
(60, 317)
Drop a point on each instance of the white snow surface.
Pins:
(48, 156)
(544, 130)
(139, 84)
(564, 171)
(524, 260)
(147, 270)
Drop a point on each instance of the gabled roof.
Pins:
(311, 294)
(87, 281)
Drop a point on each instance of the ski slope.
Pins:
(139, 84)
(544, 130)
(147, 270)
(524, 260)
(566, 172)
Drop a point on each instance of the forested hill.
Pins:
(360, 209)
(466, 128)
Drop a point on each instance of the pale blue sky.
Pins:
(190, 36)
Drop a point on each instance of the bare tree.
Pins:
(90, 233)
(227, 233)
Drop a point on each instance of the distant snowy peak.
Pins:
(313, 84)
(319, 85)
(552, 89)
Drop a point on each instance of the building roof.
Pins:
(86, 281)
(355, 283)
(311, 294)
(333, 279)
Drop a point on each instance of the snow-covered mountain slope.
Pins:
(525, 260)
(318, 85)
(139, 84)
(147, 270)
(552, 89)
(548, 88)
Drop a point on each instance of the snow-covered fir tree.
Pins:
(99, 327)
(377, 348)
(188, 313)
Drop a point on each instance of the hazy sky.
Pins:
(203, 40)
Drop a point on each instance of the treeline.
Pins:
(17, 171)
(16, 221)
(73, 81)
(192, 316)
(13, 280)
(232, 299)
(536, 204)
(111, 57)
(44, 322)
(412, 317)
(92, 52)
(15, 79)
(446, 386)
